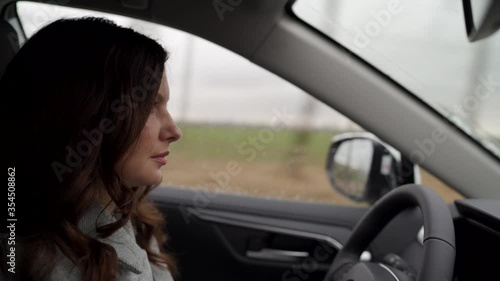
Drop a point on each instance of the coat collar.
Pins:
(122, 240)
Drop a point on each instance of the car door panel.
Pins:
(218, 236)
(233, 237)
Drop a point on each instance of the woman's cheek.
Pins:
(147, 135)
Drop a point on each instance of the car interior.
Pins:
(409, 234)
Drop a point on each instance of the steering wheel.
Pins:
(438, 247)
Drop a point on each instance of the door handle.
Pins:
(277, 255)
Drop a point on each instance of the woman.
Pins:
(84, 105)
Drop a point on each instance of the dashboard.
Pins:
(477, 233)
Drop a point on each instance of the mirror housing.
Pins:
(363, 168)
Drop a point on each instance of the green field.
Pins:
(208, 142)
(289, 164)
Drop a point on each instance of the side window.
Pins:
(245, 130)
(447, 193)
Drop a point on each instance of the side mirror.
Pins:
(363, 168)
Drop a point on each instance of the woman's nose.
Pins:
(176, 133)
(170, 132)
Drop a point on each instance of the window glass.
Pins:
(245, 130)
(423, 46)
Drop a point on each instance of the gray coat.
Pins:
(133, 260)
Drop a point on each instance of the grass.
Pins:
(222, 142)
(273, 171)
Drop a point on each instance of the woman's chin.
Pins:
(160, 179)
(156, 179)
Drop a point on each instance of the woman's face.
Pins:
(141, 164)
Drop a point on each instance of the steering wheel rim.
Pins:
(439, 238)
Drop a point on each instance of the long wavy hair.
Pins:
(75, 98)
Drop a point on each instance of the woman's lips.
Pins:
(160, 159)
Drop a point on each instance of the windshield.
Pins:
(423, 46)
